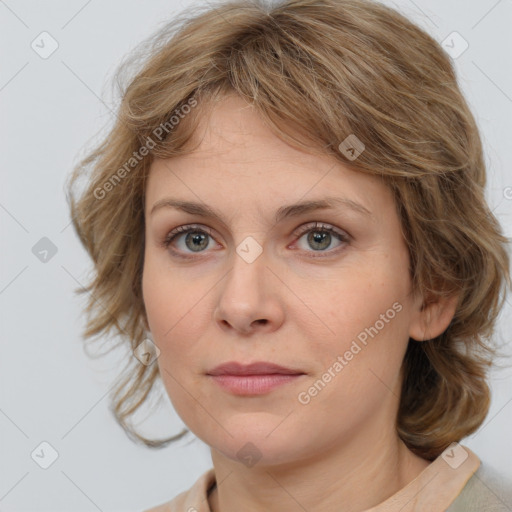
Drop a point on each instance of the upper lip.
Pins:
(257, 368)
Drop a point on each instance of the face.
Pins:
(321, 291)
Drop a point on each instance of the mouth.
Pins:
(252, 379)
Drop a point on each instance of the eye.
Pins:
(192, 238)
(195, 239)
(320, 237)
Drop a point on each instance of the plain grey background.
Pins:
(50, 391)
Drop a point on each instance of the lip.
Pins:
(257, 368)
(252, 379)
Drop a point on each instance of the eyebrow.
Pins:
(283, 212)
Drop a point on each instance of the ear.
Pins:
(432, 317)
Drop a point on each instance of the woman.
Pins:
(288, 225)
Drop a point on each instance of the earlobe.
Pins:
(433, 318)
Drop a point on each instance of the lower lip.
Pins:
(253, 384)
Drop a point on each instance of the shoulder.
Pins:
(486, 491)
(192, 500)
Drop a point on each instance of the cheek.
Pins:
(175, 307)
(366, 312)
(174, 311)
(357, 300)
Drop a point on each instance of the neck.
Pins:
(350, 478)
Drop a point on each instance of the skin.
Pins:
(296, 305)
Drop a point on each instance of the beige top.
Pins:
(453, 482)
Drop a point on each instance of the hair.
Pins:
(323, 69)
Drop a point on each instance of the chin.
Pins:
(255, 441)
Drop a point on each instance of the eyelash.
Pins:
(311, 227)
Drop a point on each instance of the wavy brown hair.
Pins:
(323, 69)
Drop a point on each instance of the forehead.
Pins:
(237, 156)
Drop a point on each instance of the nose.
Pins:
(248, 298)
